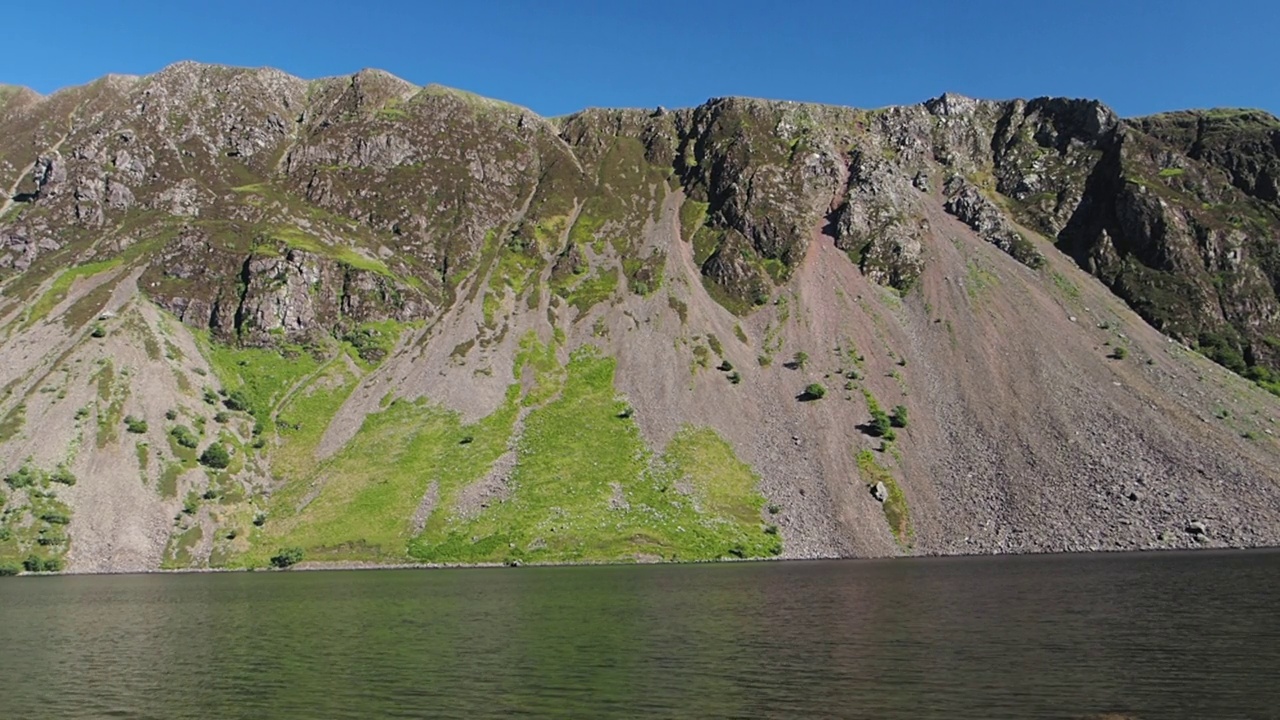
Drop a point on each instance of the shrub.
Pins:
(735, 377)
(210, 396)
(800, 360)
(63, 475)
(82, 413)
(237, 401)
(260, 519)
(8, 569)
(814, 391)
(55, 518)
(215, 456)
(725, 366)
(135, 425)
(898, 418)
(98, 331)
(222, 416)
(287, 558)
(1120, 353)
(34, 563)
(184, 437)
(881, 425)
(171, 414)
(26, 476)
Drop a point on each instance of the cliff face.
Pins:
(430, 326)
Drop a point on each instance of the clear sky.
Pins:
(558, 56)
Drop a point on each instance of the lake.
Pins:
(1156, 635)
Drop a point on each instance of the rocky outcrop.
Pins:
(275, 294)
(1177, 213)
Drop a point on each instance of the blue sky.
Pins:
(558, 56)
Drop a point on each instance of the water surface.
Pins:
(1159, 635)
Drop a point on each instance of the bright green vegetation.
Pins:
(215, 456)
(595, 289)
(299, 240)
(1171, 172)
(881, 424)
(693, 215)
(262, 376)
(287, 558)
(587, 489)
(814, 391)
(33, 519)
(584, 486)
(895, 505)
(371, 342)
(61, 285)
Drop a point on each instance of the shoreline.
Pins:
(361, 565)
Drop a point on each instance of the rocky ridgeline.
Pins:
(1176, 213)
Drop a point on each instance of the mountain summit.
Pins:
(248, 319)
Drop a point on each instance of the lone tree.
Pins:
(881, 425)
(814, 391)
(800, 360)
(215, 456)
(898, 418)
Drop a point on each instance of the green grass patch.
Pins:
(585, 488)
(13, 422)
(693, 215)
(61, 285)
(299, 240)
(601, 286)
(112, 393)
(179, 553)
(895, 508)
(262, 375)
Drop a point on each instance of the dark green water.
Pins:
(1155, 636)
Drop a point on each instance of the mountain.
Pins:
(249, 319)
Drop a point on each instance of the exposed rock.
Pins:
(879, 492)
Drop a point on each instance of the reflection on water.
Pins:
(1153, 636)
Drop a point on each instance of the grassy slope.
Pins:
(584, 486)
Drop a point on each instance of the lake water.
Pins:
(1188, 635)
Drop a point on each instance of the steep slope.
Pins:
(244, 313)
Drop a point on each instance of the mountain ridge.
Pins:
(401, 311)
